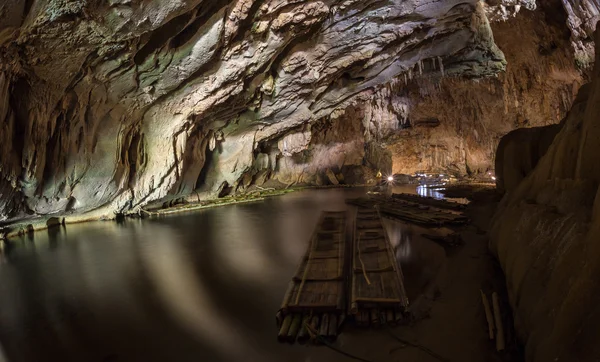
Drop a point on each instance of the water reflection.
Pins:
(430, 192)
(202, 286)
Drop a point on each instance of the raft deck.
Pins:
(430, 201)
(378, 296)
(314, 304)
(412, 211)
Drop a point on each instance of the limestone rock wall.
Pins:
(546, 236)
(108, 105)
(454, 125)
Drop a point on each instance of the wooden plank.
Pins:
(318, 286)
(377, 283)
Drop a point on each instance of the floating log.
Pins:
(285, 327)
(500, 344)
(294, 328)
(488, 314)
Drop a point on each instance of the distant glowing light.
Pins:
(390, 178)
(494, 178)
(441, 175)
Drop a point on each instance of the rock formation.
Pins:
(456, 123)
(545, 234)
(107, 106)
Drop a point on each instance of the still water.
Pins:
(202, 286)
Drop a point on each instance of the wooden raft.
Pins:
(378, 296)
(410, 211)
(430, 201)
(314, 304)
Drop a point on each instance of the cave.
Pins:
(399, 180)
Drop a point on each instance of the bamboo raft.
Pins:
(314, 304)
(378, 296)
(430, 201)
(410, 211)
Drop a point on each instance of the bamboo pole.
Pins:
(285, 327)
(361, 261)
(287, 296)
(500, 344)
(374, 317)
(333, 327)
(383, 318)
(294, 328)
(390, 317)
(324, 328)
(399, 316)
(488, 314)
(303, 335)
(314, 324)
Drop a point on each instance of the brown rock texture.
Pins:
(546, 236)
(108, 105)
(454, 125)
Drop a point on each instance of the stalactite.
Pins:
(441, 66)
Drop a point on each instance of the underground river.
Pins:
(197, 286)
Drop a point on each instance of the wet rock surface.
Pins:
(107, 106)
(545, 235)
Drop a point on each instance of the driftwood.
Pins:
(488, 314)
(500, 344)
